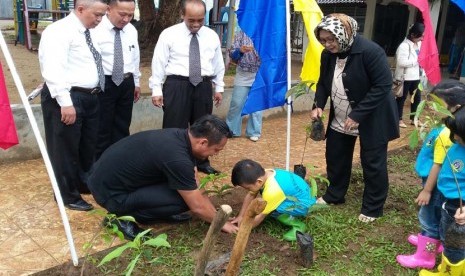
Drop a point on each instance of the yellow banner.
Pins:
(312, 15)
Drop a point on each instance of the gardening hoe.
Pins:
(256, 207)
(215, 227)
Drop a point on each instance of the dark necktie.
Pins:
(97, 59)
(118, 61)
(195, 72)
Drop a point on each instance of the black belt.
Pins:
(125, 76)
(92, 91)
(178, 77)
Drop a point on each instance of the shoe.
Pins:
(402, 124)
(79, 205)
(425, 255)
(129, 229)
(179, 217)
(446, 268)
(254, 138)
(366, 219)
(413, 240)
(321, 201)
(208, 170)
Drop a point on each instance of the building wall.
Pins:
(6, 9)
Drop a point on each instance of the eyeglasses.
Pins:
(329, 41)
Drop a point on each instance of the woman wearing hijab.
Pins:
(408, 69)
(356, 77)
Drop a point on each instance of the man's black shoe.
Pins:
(79, 205)
(129, 229)
(179, 217)
(208, 170)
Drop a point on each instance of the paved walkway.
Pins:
(31, 232)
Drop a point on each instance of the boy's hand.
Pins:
(237, 221)
(423, 198)
(230, 228)
(460, 217)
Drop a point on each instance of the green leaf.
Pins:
(413, 139)
(323, 179)
(159, 241)
(314, 187)
(114, 254)
(302, 88)
(140, 235)
(441, 109)
(420, 86)
(420, 108)
(131, 265)
(127, 218)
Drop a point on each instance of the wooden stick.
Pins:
(215, 228)
(256, 207)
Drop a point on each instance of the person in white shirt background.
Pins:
(70, 63)
(120, 93)
(408, 69)
(182, 101)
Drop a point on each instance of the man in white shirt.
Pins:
(122, 89)
(183, 100)
(71, 67)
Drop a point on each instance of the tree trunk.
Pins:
(152, 23)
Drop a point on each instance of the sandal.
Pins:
(366, 219)
(321, 201)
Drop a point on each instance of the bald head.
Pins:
(90, 12)
(193, 14)
(195, 2)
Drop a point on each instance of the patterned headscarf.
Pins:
(342, 26)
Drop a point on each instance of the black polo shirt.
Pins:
(154, 157)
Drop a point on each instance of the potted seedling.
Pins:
(315, 130)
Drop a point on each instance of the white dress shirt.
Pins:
(65, 58)
(171, 56)
(131, 55)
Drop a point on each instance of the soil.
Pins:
(286, 256)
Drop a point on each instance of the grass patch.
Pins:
(342, 244)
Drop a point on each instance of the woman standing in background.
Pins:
(408, 69)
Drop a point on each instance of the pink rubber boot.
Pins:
(425, 256)
(413, 239)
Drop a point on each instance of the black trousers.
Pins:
(409, 87)
(148, 204)
(339, 155)
(71, 147)
(115, 113)
(184, 103)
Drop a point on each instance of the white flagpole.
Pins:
(42, 148)
(289, 99)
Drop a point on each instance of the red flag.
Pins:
(8, 135)
(429, 55)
